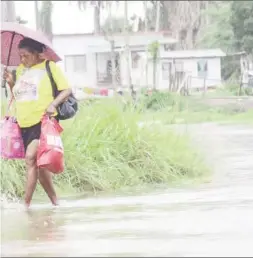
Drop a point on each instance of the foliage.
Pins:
(117, 25)
(242, 23)
(160, 100)
(105, 149)
(153, 49)
(20, 20)
(220, 32)
(45, 18)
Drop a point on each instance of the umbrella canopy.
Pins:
(12, 33)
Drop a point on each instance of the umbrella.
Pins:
(12, 33)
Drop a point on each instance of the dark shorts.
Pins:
(30, 133)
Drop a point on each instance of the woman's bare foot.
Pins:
(27, 205)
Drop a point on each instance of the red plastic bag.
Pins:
(12, 146)
(50, 153)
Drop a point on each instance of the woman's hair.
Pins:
(31, 45)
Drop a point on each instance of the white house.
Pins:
(87, 60)
(202, 66)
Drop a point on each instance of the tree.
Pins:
(182, 18)
(115, 25)
(37, 14)
(220, 31)
(112, 44)
(20, 20)
(8, 12)
(219, 34)
(127, 47)
(154, 51)
(146, 30)
(97, 10)
(242, 24)
(157, 22)
(45, 19)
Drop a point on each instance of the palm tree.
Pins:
(45, 18)
(155, 46)
(157, 23)
(112, 43)
(97, 10)
(8, 12)
(127, 47)
(146, 30)
(37, 14)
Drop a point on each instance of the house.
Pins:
(87, 61)
(87, 57)
(203, 67)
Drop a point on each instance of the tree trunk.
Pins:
(36, 10)
(45, 19)
(112, 43)
(155, 60)
(157, 23)
(154, 73)
(146, 30)
(8, 12)
(127, 48)
(97, 28)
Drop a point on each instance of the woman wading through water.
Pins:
(32, 92)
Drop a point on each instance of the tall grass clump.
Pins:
(105, 149)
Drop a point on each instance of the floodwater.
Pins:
(214, 219)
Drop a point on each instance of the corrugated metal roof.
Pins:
(193, 53)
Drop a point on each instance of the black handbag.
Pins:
(68, 108)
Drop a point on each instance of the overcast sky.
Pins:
(67, 18)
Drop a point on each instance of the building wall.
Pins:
(190, 66)
(85, 45)
(76, 45)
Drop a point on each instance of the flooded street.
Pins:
(213, 219)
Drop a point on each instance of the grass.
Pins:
(106, 150)
(173, 109)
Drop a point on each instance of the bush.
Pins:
(107, 150)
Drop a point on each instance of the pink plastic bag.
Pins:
(12, 146)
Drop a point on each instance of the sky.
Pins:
(67, 18)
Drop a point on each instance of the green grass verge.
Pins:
(106, 150)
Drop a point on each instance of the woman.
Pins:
(33, 96)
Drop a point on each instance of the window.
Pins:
(166, 70)
(202, 67)
(135, 59)
(75, 63)
(179, 66)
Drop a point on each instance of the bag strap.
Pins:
(52, 81)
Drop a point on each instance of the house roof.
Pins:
(193, 53)
(164, 33)
(100, 43)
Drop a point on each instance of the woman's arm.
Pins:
(64, 94)
(62, 86)
(8, 76)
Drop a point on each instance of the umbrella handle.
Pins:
(8, 60)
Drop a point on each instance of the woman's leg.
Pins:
(32, 171)
(45, 178)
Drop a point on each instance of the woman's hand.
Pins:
(51, 110)
(8, 76)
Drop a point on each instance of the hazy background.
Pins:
(68, 18)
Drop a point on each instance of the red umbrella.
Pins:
(12, 33)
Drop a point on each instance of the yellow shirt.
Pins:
(33, 91)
